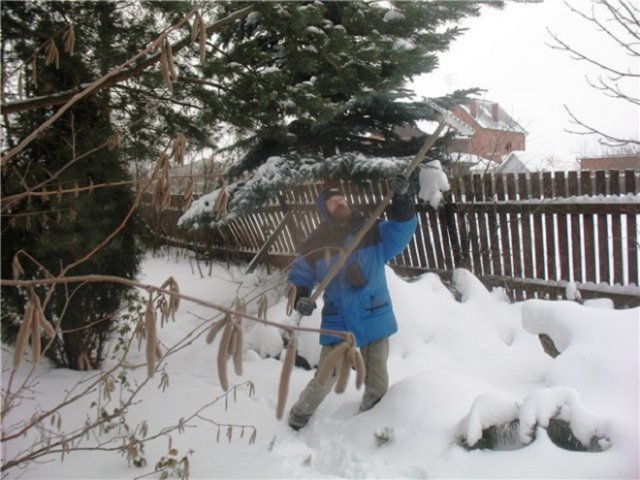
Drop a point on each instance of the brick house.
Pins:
(629, 161)
(496, 135)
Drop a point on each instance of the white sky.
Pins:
(506, 52)
(455, 367)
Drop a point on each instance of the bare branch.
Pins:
(134, 283)
(576, 55)
(619, 21)
(622, 22)
(609, 140)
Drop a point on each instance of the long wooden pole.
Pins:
(371, 220)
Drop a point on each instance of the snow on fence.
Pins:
(538, 235)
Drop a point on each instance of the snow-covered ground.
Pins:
(456, 368)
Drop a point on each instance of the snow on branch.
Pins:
(285, 172)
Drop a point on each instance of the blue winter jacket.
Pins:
(366, 310)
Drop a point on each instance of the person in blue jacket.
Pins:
(357, 300)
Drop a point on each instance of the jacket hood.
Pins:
(321, 202)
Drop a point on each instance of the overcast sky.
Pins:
(506, 52)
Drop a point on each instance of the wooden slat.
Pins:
(485, 246)
(412, 251)
(559, 185)
(468, 188)
(600, 187)
(426, 230)
(244, 225)
(448, 220)
(538, 237)
(232, 232)
(242, 238)
(589, 248)
(522, 187)
(516, 244)
(564, 234)
(505, 243)
(265, 247)
(487, 185)
(477, 188)
(465, 246)
(536, 187)
(437, 241)
(421, 245)
(253, 235)
(630, 182)
(494, 241)
(573, 188)
(633, 272)
(500, 182)
(618, 246)
(547, 185)
(586, 184)
(603, 248)
(446, 243)
(282, 241)
(550, 245)
(527, 246)
(474, 241)
(576, 248)
(614, 182)
(510, 186)
(499, 187)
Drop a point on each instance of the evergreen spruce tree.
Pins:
(62, 230)
(310, 80)
(316, 76)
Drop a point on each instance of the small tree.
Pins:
(63, 228)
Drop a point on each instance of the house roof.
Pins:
(534, 162)
(514, 161)
(517, 162)
(484, 116)
(482, 165)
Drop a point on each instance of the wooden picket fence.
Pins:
(528, 233)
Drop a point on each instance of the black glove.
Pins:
(400, 184)
(305, 306)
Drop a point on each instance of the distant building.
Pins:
(466, 163)
(518, 162)
(515, 162)
(496, 133)
(611, 162)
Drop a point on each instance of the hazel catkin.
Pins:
(23, 335)
(285, 376)
(361, 370)
(223, 350)
(237, 351)
(326, 369)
